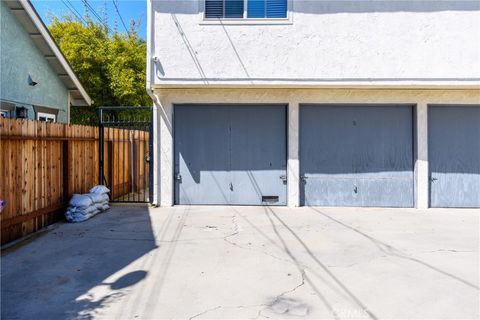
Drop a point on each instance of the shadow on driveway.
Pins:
(50, 277)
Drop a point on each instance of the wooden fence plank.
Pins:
(43, 164)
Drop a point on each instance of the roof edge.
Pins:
(467, 84)
(34, 16)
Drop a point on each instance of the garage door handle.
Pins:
(284, 179)
(433, 179)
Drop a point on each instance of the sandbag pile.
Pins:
(84, 206)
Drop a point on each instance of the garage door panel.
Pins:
(360, 190)
(230, 154)
(454, 156)
(193, 190)
(455, 190)
(386, 191)
(202, 179)
(357, 155)
(333, 191)
(258, 157)
(250, 187)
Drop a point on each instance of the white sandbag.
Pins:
(78, 217)
(82, 210)
(98, 197)
(99, 189)
(79, 214)
(79, 200)
(83, 207)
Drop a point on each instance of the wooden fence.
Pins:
(42, 165)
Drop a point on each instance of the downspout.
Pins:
(150, 80)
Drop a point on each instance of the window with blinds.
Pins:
(252, 9)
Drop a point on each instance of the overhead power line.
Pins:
(95, 13)
(73, 10)
(120, 16)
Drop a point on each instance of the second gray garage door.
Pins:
(353, 155)
(230, 154)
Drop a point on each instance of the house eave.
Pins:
(38, 32)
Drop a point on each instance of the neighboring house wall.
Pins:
(323, 40)
(20, 58)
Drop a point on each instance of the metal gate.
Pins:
(125, 148)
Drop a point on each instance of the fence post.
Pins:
(100, 147)
(66, 170)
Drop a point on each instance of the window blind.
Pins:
(233, 8)
(256, 8)
(214, 9)
(267, 8)
(276, 8)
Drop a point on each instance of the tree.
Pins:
(111, 66)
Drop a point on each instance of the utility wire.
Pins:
(95, 13)
(73, 10)
(120, 16)
(92, 10)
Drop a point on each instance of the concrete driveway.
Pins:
(249, 263)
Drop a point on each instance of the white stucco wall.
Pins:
(397, 40)
(360, 51)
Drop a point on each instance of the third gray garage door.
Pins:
(356, 155)
(454, 156)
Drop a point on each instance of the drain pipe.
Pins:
(150, 79)
(154, 150)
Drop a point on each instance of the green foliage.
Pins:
(111, 66)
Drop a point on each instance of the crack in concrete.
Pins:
(204, 312)
(227, 307)
(235, 228)
(281, 295)
(446, 250)
(291, 290)
(236, 231)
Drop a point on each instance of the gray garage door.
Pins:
(356, 155)
(454, 156)
(230, 154)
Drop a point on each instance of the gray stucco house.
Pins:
(36, 80)
(316, 103)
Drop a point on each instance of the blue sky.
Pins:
(129, 9)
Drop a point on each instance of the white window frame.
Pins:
(48, 116)
(245, 20)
